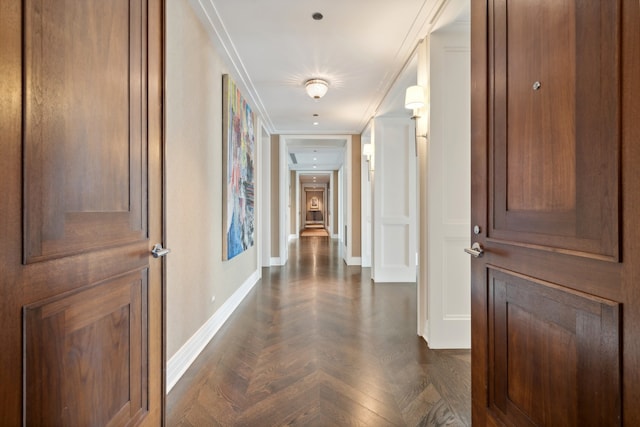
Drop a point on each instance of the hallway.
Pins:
(315, 343)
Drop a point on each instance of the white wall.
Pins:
(365, 197)
(265, 198)
(448, 195)
(285, 211)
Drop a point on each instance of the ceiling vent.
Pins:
(293, 158)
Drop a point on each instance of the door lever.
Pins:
(158, 251)
(476, 250)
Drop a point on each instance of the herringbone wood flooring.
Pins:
(317, 344)
(314, 232)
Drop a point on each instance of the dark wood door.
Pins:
(556, 194)
(80, 155)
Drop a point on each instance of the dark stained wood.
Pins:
(540, 47)
(154, 111)
(480, 40)
(10, 219)
(555, 152)
(630, 211)
(316, 343)
(84, 161)
(555, 352)
(555, 300)
(81, 154)
(74, 343)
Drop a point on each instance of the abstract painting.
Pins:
(238, 160)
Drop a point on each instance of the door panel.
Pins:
(81, 155)
(555, 300)
(554, 353)
(91, 346)
(448, 311)
(394, 202)
(84, 156)
(555, 151)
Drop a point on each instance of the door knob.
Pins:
(159, 251)
(475, 250)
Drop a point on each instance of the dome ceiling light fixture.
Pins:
(316, 88)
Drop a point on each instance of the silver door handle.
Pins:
(159, 251)
(476, 250)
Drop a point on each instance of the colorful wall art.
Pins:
(238, 154)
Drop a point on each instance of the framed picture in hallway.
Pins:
(238, 157)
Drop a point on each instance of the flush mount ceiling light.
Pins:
(316, 88)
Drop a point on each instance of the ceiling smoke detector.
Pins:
(316, 88)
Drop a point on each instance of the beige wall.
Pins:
(356, 200)
(319, 195)
(275, 195)
(194, 232)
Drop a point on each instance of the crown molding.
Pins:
(206, 11)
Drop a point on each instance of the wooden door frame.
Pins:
(479, 101)
(161, 90)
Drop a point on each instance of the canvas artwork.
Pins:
(238, 141)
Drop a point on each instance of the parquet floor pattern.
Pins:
(316, 343)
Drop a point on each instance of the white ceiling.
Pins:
(361, 47)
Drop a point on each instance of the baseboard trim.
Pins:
(276, 261)
(353, 261)
(187, 354)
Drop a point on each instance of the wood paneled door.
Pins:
(556, 198)
(81, 303)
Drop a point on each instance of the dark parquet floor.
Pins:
(316, 343)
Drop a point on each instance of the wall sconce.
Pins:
(414, 99)
(367, 151)
(316, 88)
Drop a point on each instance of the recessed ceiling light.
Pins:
(315, 115)
(317, 16)
(314, 166)
(316, 123)
(315, 158)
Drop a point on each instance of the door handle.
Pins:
(475, 250)
(158, 251)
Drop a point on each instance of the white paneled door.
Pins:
(394, 201)
(448, 299)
